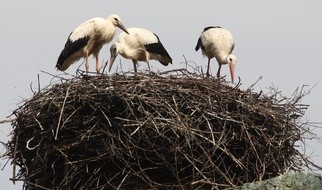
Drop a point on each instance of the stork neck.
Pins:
(221, 58)
(109, 29)
(125, 51)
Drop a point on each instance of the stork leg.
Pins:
(207, 74)
(149, 66)
(134, 64)
(86, 63)
(97, 65)
(218, 72)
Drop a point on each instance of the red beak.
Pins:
(232, 72)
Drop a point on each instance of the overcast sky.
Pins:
(278, 40)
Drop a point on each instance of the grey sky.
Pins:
(279, 40)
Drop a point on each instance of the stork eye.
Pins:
(230, 59)
(114, 50)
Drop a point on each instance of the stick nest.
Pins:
(139, 132)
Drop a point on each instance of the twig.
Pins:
(61, 112)
(104, 67)
(7, 121)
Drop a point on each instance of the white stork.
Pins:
(88, 38)
(218, 42)
(139, 45)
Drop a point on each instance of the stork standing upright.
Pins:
(218, 42)
(139, 45)
(88, 38)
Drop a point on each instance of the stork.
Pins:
(88, 38)
(218, 42)
(139, 45)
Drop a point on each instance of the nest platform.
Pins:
(154, 132)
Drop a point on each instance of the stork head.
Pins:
(116, 20)
(114, 50)
(232, 60)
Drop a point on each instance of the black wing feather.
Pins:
(157, 48)
(199, 45)
(209, 27)
(70, 48)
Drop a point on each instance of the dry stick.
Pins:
(108, 120)
(36, 185)
(120, 185)
(78, 70)
(61, 112)
(185, 60)
(104, 67)
(210, 128)
(55, 76)
(38, 84)
(14, 158)
(238, 84)
(217, 168)
(250, 88)
(185, 71)
(30, 86)
(7, 121)
(196, 168)
(39, 124)
(224, 151)
(195, 67)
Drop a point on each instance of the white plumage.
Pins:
(218, 42)
(139, 45)
(88, 38)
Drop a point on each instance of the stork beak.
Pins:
(122, 27)
(232, 72)
(112, 59)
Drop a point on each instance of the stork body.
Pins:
(139, 45)
(218, 42)
(88, 38)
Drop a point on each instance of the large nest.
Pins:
(172, 132)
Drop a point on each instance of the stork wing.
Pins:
(87, 29)
(199, 44)
(137, 36)
(75, 42)
(156, 47)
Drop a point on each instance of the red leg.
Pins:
(134, 64)
(207, 74)
(218, 72)
(86, 63)
(149, 66)
(97, 65)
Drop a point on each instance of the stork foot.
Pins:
(86, 77)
